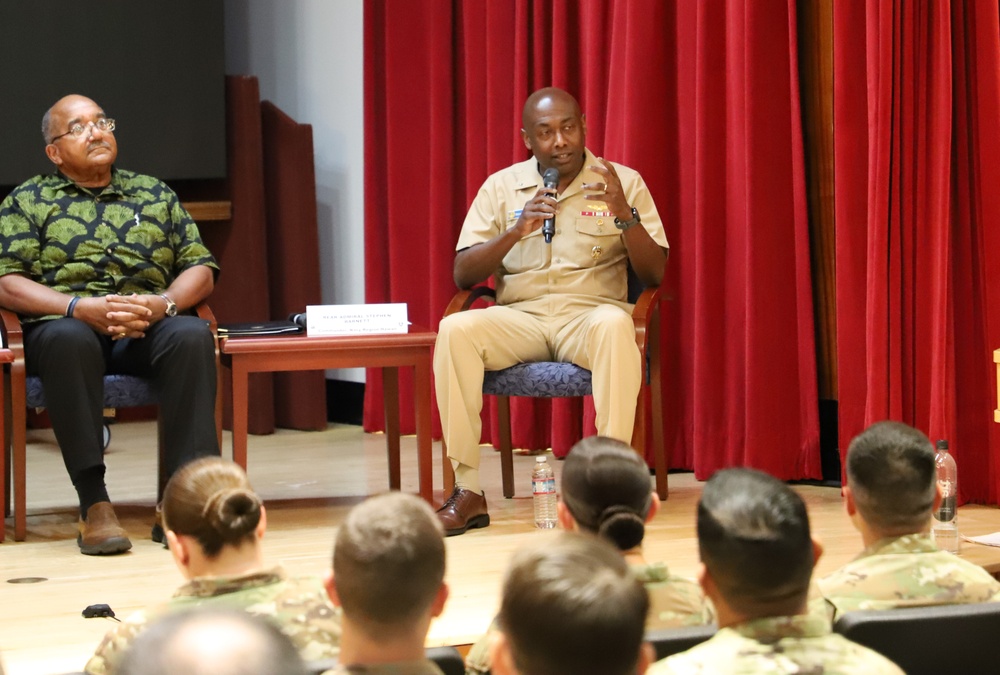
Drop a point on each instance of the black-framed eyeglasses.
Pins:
(104, 124)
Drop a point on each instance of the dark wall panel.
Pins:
(156, 66)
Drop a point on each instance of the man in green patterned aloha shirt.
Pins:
(890, 495)
(757, 557)
(100, 263)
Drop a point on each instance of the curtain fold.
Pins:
(915, 147)
(702, 99)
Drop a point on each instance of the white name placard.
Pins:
(356, 319)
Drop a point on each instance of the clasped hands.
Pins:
(542, 206)
(119, 316)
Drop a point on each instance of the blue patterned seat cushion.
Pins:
(120, 391)
(545, 379)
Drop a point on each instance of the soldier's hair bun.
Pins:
(233, 512)
(606, 489)
(621, 525)
(211, 500)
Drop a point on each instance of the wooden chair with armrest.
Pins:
(553, 379)
(6, 356)
(120, 391)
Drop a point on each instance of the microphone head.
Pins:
(550, 178)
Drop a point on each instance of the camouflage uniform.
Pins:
(403, 668)
(299, 606)
(784, 644)
(906, 571)
(673, 601)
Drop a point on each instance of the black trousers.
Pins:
(178, 354)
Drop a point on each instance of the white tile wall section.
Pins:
(308, 57)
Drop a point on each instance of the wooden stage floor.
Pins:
(308, 480)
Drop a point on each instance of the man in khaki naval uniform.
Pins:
(559, 301)
(890, 495)
(757, 557)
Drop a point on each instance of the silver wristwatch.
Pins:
(625, 224)
(171, 305)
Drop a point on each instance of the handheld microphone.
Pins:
(298, 319)
(550, 179)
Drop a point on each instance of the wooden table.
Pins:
(389, 351)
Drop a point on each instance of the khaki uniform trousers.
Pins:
(595, 334)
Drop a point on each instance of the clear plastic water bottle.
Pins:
(944, 527)
(543, 489)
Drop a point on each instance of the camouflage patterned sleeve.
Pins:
(477, 661)
(109, 653)
(673, 600)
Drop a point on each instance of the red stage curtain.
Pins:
(917, 104)
(702, 99)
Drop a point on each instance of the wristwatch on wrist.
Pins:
(171, 305)
(625, 224)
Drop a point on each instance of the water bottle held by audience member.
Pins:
(945, 524)
(543, 488)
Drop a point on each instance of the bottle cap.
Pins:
(539, 459)
(942, 445)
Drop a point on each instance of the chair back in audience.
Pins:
(670, 641)
(448, 659)
(935, 639)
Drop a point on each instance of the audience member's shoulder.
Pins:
(730, 652)
(116, 641)
(304, 611)
(674, 600)
(906, 571)
(855, 658)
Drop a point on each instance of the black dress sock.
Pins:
(90, 488)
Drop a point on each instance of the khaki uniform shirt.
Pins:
(673, 601)
(299, 606)
(404, 668)
(906, 571)
(587, 257)
(787, 644)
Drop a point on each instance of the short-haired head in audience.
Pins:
(388, 569)
(212, 641)
(891, 480)
(209, 502)
(605, 489)
(571, 606)
(756, 548)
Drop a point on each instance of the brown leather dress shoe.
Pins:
(100, 533)
(462, 510)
